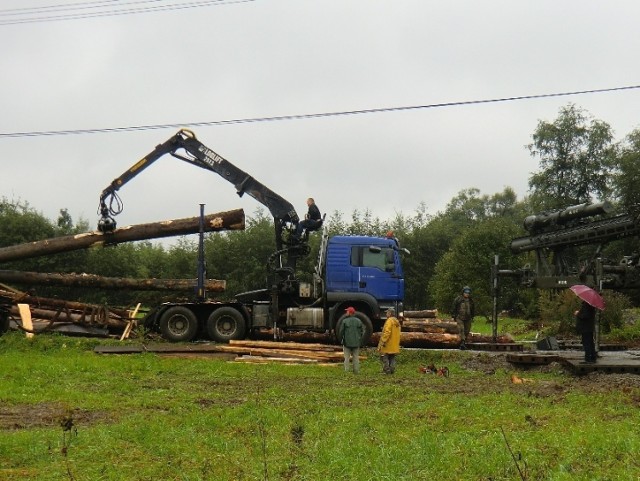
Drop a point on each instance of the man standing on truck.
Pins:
(350, 334)
(463, 311)
(389, 344)
(312, 220)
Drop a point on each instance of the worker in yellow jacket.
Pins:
(389, 345)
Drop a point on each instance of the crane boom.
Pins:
(185, 146)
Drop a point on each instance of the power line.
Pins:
(44, 133)
(109, 12)
(67, 6)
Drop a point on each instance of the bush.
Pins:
(558, 308)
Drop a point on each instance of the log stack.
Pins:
(50, 314)
(284, 352)
(71, 312)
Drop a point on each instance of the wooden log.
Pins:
(430, 325)
(294, 336)
(95, 281)
(423, 339)
(501, 339)
(425, 313)
(230, 220)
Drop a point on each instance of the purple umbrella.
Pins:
(589, 296)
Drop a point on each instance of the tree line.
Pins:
(579, 161)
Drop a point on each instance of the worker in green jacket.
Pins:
(463, 312)
(350, 334)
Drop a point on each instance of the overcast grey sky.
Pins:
(265, 58)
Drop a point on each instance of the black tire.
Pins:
(178, 324)
(366, 322)
(225, 324)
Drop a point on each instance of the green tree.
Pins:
(625, 180)
(469, 261)
(20, 223)
(432, 237)
(241, 257)
(576, 156)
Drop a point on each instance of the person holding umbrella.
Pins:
(586, 319)
(586, 326)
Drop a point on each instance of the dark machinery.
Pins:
(185, 146)
(553, 235)
(5, 310)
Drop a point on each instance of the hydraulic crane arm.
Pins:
(185, 146)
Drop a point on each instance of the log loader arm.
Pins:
(185, 146)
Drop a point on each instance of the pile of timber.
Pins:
(49, 314)
(428, 321)
(284, 352)
(424, 329)
(67, 312)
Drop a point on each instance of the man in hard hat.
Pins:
(463, 311)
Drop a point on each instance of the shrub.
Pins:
(558, 309)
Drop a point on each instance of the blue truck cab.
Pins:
(365, 272)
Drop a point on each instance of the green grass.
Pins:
(146, 417)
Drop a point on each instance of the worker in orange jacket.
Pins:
(389, 344)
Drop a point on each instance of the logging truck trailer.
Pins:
(360, 271)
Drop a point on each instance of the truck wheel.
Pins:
(225, 324)
(178, 324)
(366, 322)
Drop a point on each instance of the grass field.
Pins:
(67, 413)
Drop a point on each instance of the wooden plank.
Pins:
(285, 345)
(131, 323)
(118, 349)
(25, 316)
(281, 360)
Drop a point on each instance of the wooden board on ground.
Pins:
(285, 345)
(25, 316)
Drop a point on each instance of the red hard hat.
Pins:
(350, 310)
